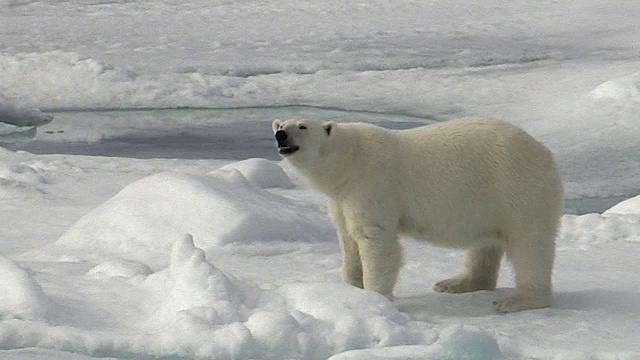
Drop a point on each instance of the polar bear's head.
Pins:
(301, 139)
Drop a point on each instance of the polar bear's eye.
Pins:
(302, 127)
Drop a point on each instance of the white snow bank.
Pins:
(199, 299)
(194, 309)
(200, 292)
(620, 222)
(143, 220)
(626, 88)
(17, 178)
(455, 342)
(11, 133)
(62, 79)
(45, 354)
(596, 228)
(119, 268)
(261, 173)
(21, 297)
(600, 160)
(197, 310)
(630, 206)
(339, 317)
(20, 116)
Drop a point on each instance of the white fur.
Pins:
(478, 184)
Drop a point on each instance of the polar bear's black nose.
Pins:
(281, 136)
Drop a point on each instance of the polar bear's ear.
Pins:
(276, 124)
(328, 126)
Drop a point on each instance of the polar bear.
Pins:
(477, 184)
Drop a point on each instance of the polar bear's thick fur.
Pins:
(478, 184)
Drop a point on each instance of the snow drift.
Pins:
(167, 262)
(18, 121)
(226, 207)
(21, 297)
(20, 116)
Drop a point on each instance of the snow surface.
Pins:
(212, 265)
(153, 219)
(17, 120)
(20, 116)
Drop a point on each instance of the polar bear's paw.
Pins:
(519, 303)
(463, 283)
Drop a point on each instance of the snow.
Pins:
(17, 120)
(630, 206)
(623, 89)
(22, 297)
(143, 220)
(455, 342)
(152, 217)
(259, 172)
(229, 280)
(20, 116)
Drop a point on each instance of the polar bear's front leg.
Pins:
(351, 263)
(381, 256)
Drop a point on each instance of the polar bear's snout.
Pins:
(285, 147)
(281, 136)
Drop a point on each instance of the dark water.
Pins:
(230, 134)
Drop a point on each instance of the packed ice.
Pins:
(146, 213)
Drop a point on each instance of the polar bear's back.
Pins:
(476, 146)
(468, 131)
(475, 151)
(487, 172)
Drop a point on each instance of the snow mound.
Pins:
(14, 114)
(21, 297)
(630, 206)
(455, 342)
(625, 88)
(597, 228)
(197, 310)
(45, 354)
(200, 293)
(12, 134)
(119, 268)
(62, 78)
(620, 222)
(339, 317)
(142, 220)
(201, 299)
(260, 172)
(19, 179)
(276, 333)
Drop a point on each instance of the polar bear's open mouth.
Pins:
(288, 150)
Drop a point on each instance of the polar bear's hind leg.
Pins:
(532, 258)
(481, 271)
